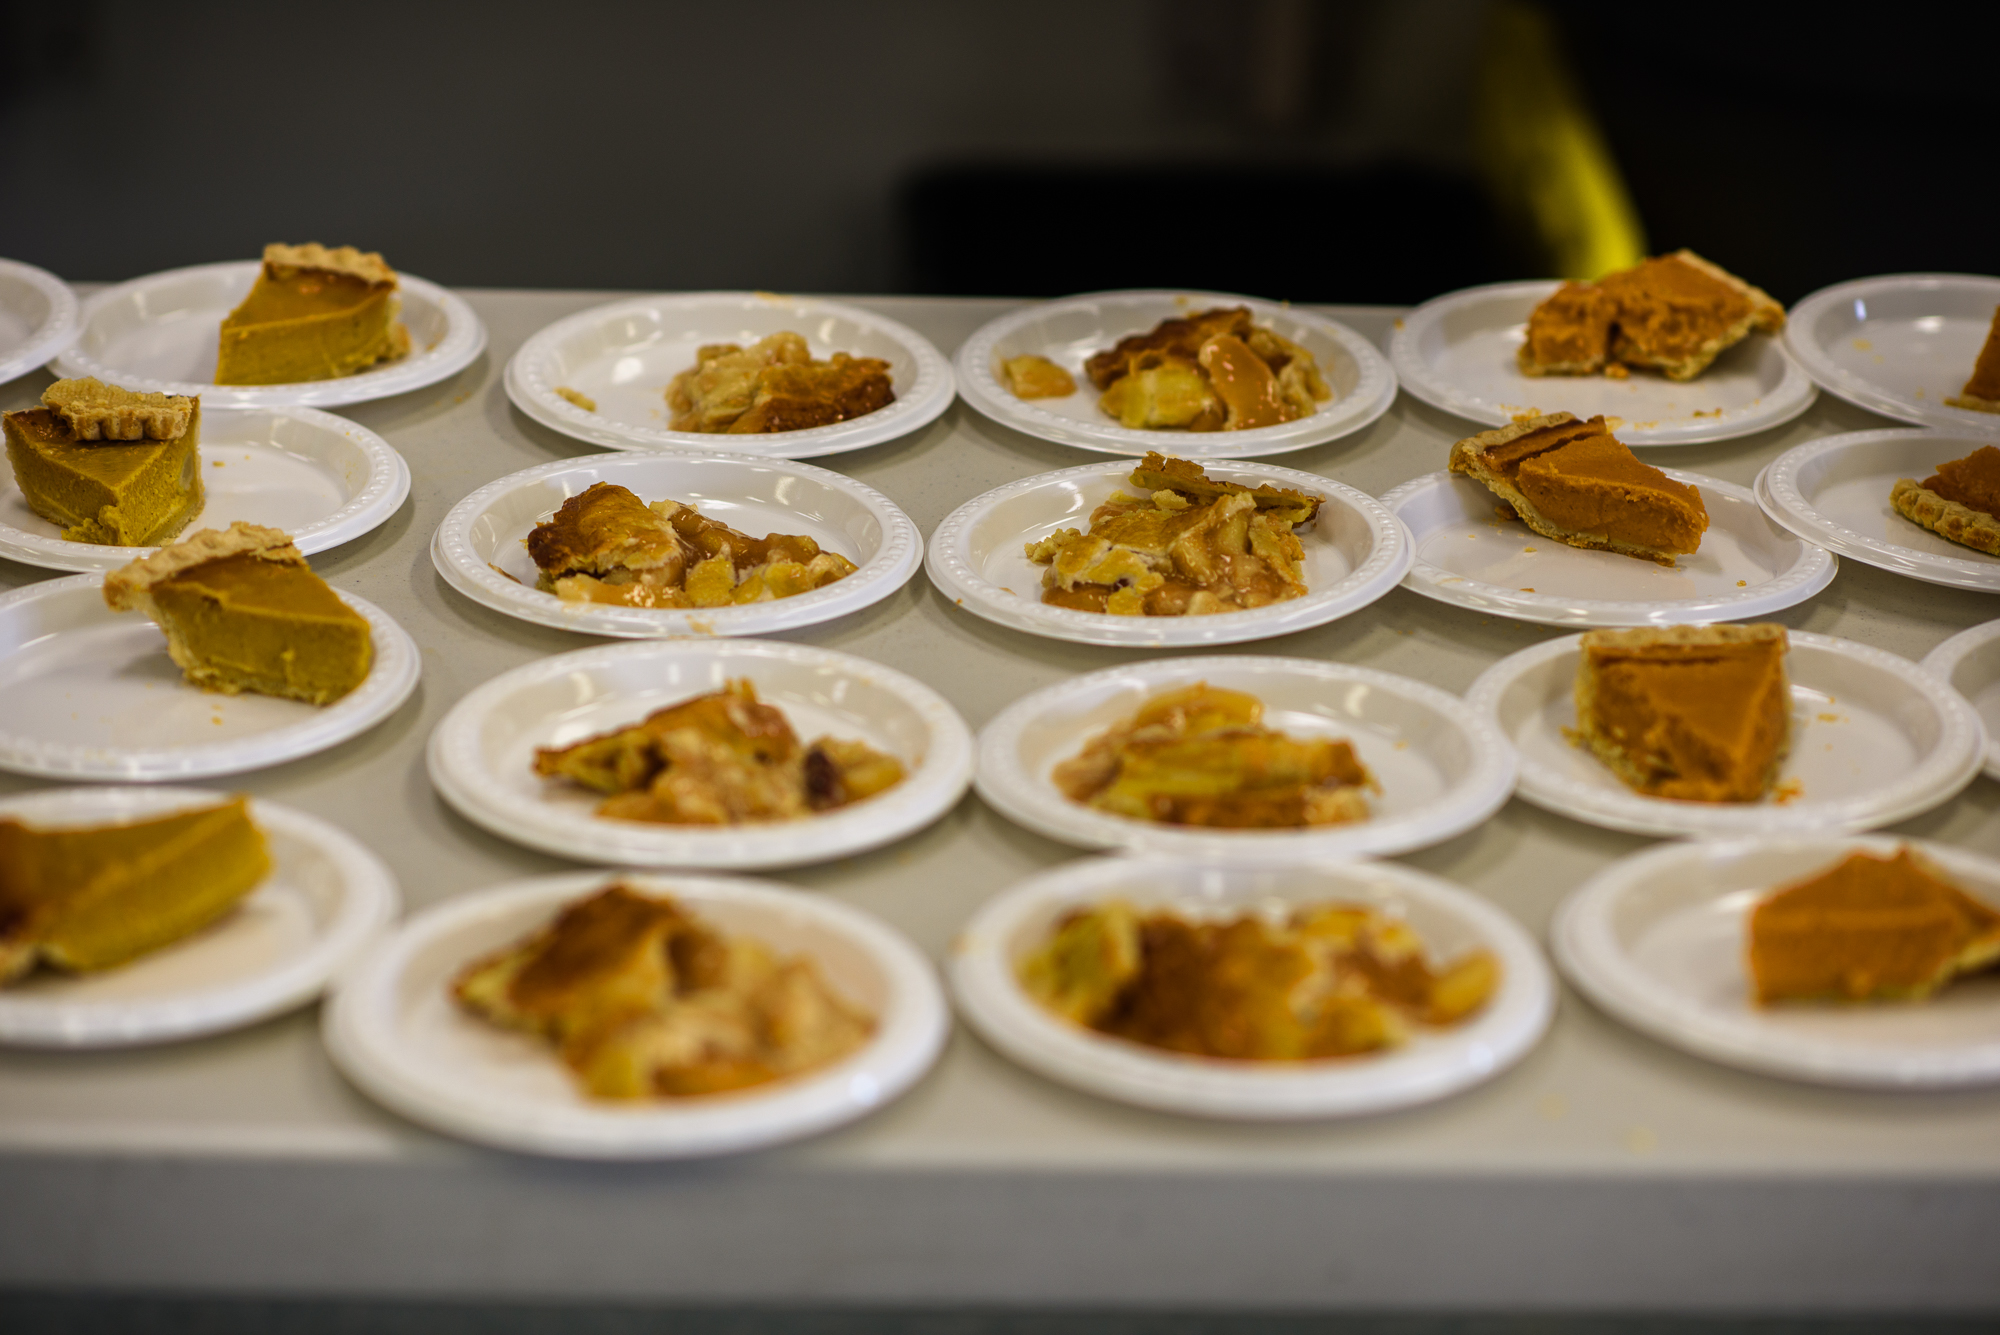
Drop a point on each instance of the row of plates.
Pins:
(1899, 345)
(1655, 939)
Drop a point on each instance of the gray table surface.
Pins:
(1606, 1171)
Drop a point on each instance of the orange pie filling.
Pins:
(1982, 391)
(1973, 481)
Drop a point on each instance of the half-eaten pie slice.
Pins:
(109, 465)
(314, 313)
(1675, 313)
(1961, 501)
(1698, 713)
(1869, 929)
(1982, 392)
(605, 545)
(1577, 483)
(244, 612)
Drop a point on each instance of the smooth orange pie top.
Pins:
(1973, 481)
(1869, 928)
(1982, 392)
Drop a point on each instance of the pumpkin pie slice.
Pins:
(1675, 313)
(93, 897)
(110, 466)
(1698, 713)
(1869, 929)
(1982, 393)
(314, 313)
(1576, 483)
(244, 612)
(1961, 501)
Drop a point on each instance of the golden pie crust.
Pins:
(93, 410)
(1869, 929)
(1214, 370)
(1695, 713)
(1576, 483)
(775, 384)
(1674, 313)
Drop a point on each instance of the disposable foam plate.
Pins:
(1969, 662)
(1900, 344)
(324, 900)
(480, 547)
(1069, 331)
(37, 317)
(1442, 769)
(161, 333)
(482, 754)
(1874, 739)
(322, 479)
(88, 693)
(1469, 557)
(622, 356)
(1657, 940)
(1457, 352)
(987, 953)
(394, 1030)
(1356, 551)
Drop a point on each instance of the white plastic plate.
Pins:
(89, 693)
(482, 753)
(1442, 768)
(1835, 491)
(1900, 345)
(395, 1031)
(1355, 553)
(485, 534)
(1469, 557)
(1875, 739)
(622, 356)
(1069, 331)
(37, 317)
(987, 953)
(1658, 939)
(1457, 352)
(322, 479)
(324, 900)
(1969, 662)
(161, 333)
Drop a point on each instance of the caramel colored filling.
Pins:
(1985, 382)
(1669, 310)
(1973, 481)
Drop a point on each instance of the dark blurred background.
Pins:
(1327, 150)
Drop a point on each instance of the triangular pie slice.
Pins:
(1982, 393)
(108, 465)
(314, 313)
(1961, 501)
(244, 612)
(1575, 482)
(1698, 713)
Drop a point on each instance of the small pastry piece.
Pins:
(725, 758)
(1869, 929)
(1034, 377)
(109, 465)
(1330, 980)
(1577, 483)
(605, 545)
(1675, 313)
(1982, 392)
(775, 385)
(1961, 501)
(314, 313)
(93, 897)
(1194, 547)
(643, 998)
(243, 611)
(1202, 756)
(1698, 713)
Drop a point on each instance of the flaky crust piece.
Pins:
(1948, 519)
(131, 586)
(93, 410)
(1647, 637)
(282, 261)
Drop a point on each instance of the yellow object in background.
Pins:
(1542, 153)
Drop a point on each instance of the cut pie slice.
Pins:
(1698, 713)
(1576, 483)
(1982, 393)
(1867, 929)
(244, 612)
(314, 314)
(1961, 501)
(83, 898)
(1676, 313)
(110, 465)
